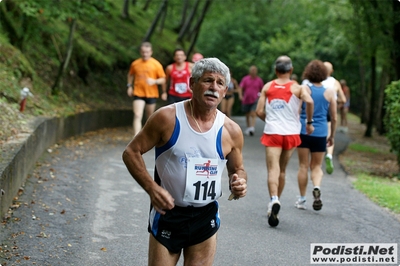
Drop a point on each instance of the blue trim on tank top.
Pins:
(171, 142)
(219, 143)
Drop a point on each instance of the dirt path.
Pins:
(370, 155)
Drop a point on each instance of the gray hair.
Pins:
(213, 65)
(283, 64)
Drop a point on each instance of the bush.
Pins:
(392, 117)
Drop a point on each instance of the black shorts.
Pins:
(228, 96)
(175, 99)
(328, 117)
(314, 144)
(147, 100)
(182, 227)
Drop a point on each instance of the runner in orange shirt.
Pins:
(146, 73)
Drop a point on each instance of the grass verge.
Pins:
(372, 165)
(383, 191)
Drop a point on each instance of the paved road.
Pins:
(81, 207)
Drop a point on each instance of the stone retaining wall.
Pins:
(19, 156)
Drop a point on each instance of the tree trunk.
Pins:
(371, 118)
(146, 5)
(200, 20)
(63, 66)
(188, 22)
(7, 23)
(196, 29)
(163, 18)
(385, 79)
(125, 9)
(150, 31)
(363, 90)
(396, 38)
(183, 17)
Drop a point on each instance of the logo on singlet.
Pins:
(277, 105)
(206, 169)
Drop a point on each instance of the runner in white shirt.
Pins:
(332, 83)
(193, 142)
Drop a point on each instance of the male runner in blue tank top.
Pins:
(193, 142)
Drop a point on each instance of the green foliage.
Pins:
(260, 31)
(33, 43)
(13, 67)
(392, 116)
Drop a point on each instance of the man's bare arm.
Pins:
(236, 173)
(341, 98)
(154, 133)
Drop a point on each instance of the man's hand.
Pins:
(164, 96)
(129, 91)
(161, 200)
(238, 187)
(309, 129)
(330, 141)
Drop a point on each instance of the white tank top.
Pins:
(282, 110)
(190, 164)
(329, 83)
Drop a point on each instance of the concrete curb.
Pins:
(19, 156)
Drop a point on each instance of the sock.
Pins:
(273, 198)
(316, 187)
(303, 198)
(329, 156)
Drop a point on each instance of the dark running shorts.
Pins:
(314, 144)
(246, 108)
(147, 100)
(175, 99)
(328, 117)
(182, 227)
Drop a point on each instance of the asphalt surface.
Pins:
(80, 206)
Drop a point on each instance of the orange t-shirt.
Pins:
(141, 70)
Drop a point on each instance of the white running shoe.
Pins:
(301, 204)
(273, 210)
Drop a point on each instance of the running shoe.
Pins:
(273, 210)
(317, 205)
(251, 131)
(301, 204)
(329, 165)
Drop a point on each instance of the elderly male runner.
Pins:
(278, 106)
(184, 208)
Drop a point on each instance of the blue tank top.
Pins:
(321, 108)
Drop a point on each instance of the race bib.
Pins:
(203, 180)
(180, 87)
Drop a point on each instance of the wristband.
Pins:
(310, 122)
(128, 85)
